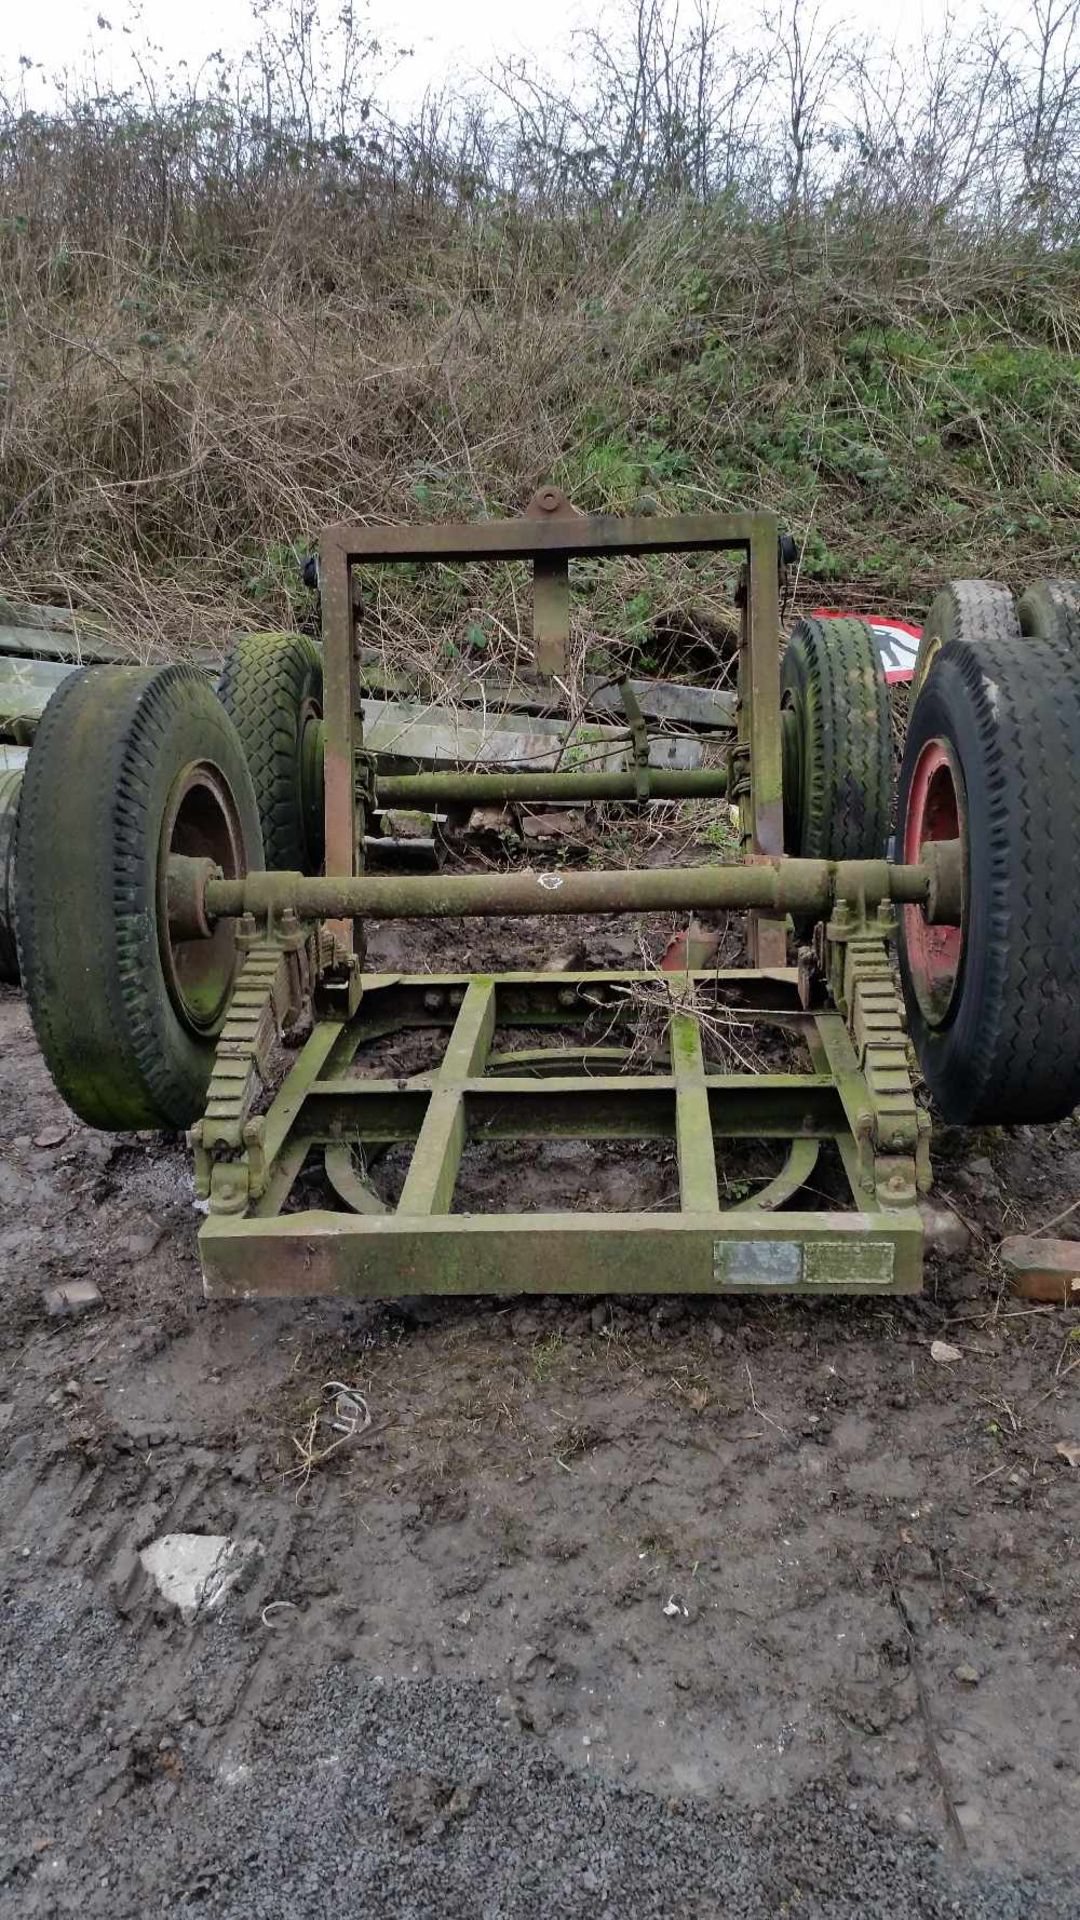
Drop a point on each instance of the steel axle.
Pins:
(781, 886)
(494, 789)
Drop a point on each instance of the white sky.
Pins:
(446, 40)
(450, 39)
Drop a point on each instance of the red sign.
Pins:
(898, 642)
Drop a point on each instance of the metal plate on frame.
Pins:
(849, 1263)
(757, 1263)
(843, 1262)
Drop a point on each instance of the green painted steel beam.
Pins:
(433, 1169)
(495, 789)
(318, 1252)
(780, 886)
(582, 1106)
(551, 612)
(573, 536)
(314, 1056)
(698, 1191)
(530, 998)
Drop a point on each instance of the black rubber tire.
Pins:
(968, 612)
(270, 686)
(111, 746)
(10, 783)
(1049, 610)
(1008, 1048)
(839, 766)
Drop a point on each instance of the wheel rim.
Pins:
(310, 773)
(201, 821)
(925, 658)
(791, 748)
(936, 810)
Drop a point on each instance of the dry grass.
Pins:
(167, 455)
(213, 343)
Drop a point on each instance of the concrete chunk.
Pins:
(945, 1231)
(195, 1571)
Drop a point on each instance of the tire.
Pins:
(838, 744)
(10, 783)
(1050, 611)
(994, 1004)
(271, 687)
(128, 761)
(966, 611)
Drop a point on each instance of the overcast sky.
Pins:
(460, 38)
(449, 38)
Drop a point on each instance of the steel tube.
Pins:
(780, 886)
(492, 789)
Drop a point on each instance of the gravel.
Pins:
(347, 1793)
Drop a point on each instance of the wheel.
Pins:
(837, 743)
(10, 784)
(271, 688)
(994, 1001)
(965, 611)
(129, 765)
(1050, 611)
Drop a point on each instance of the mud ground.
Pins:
(652, 1607)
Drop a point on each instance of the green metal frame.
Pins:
(325, 1108)
(303, 942)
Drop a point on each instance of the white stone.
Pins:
(195, 1571)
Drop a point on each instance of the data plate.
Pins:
(849, 1263)
(757, 1263)
(818, 1263)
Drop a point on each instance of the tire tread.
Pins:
(832, 670)
(1011, 1051)
(263, 683)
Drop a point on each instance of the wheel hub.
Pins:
(936, 812)
(201, 824)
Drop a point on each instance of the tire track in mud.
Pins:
(69, 1517)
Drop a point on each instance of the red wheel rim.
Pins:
(201, 819)
(935, 811)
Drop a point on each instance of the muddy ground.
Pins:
(648, 1607)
